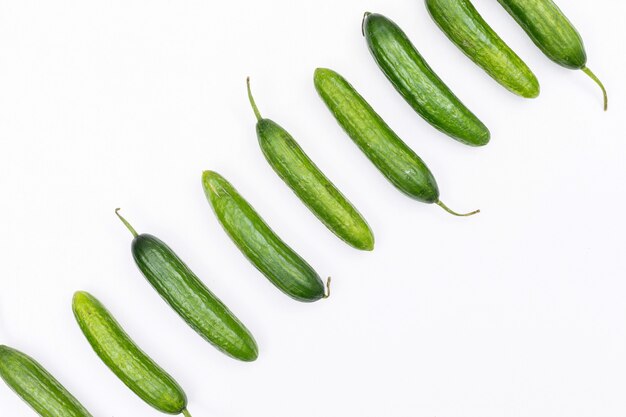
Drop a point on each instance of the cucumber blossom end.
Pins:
(365, 15)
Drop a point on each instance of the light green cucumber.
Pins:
(467, 29)
(280, 264)
(125, 359)
(554, 34)
(29, 380)
(384, 148)
(307, 181)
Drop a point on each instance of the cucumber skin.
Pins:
(315, 190)
(29, 380)
(413, 78)
(466, 28)
(258, 242)
(191, 299)
(550, 30)
(118, 351)
(393, 158)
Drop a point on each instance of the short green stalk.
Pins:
(597, 80)
(327, 288)
(454, 213)
(257, 113)
(128, 226)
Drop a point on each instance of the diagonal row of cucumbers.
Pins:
(202, 310)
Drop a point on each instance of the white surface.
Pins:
(516, 312)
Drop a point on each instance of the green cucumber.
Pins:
(393, 158)
(306, 180)
(418, 84)
(189, 297)
(258, 242)
(120, 353)
(554, 34)
(36, 386)
(467, 29)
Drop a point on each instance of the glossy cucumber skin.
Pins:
(550, 30)
(315, 190)
(36, 386)
(393, 158)
(418, 84)
(191, 299)
(258, 242)
(118, 351)
(466, 28)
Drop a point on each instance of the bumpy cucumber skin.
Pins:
(418, 84)
(315, 190)
(393, 158)
(258, 242)
(36, 386)
(466, 28)
(118, 351)
(191, 299)
(550, 30)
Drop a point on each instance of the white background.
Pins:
(519, 311)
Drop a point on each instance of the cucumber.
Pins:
(418, 84)
(265, 250)
(554, 34)
(118, 351)
(36, 386)
(393, 158)
(189, 297)
(466, 28)
(313, 188)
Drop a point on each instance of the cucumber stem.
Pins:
(186, 413)
(597, 80)
(327, 294)
(363, 22)
(257, 113)
(128, 226)
(454, 213)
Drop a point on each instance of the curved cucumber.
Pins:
(190, 298)
(418, 84)
(36, 386)
(267, 252)
(306, 180)
(466, 28)
(553, 33)
(118, 351)
(393, 158)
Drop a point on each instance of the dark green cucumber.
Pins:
(118, 351)
(267, 252)
(306, 180)
(36, 386)
(190, 298)
(418, 84)
(393, 158)
(466, 28)
(554, 34)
